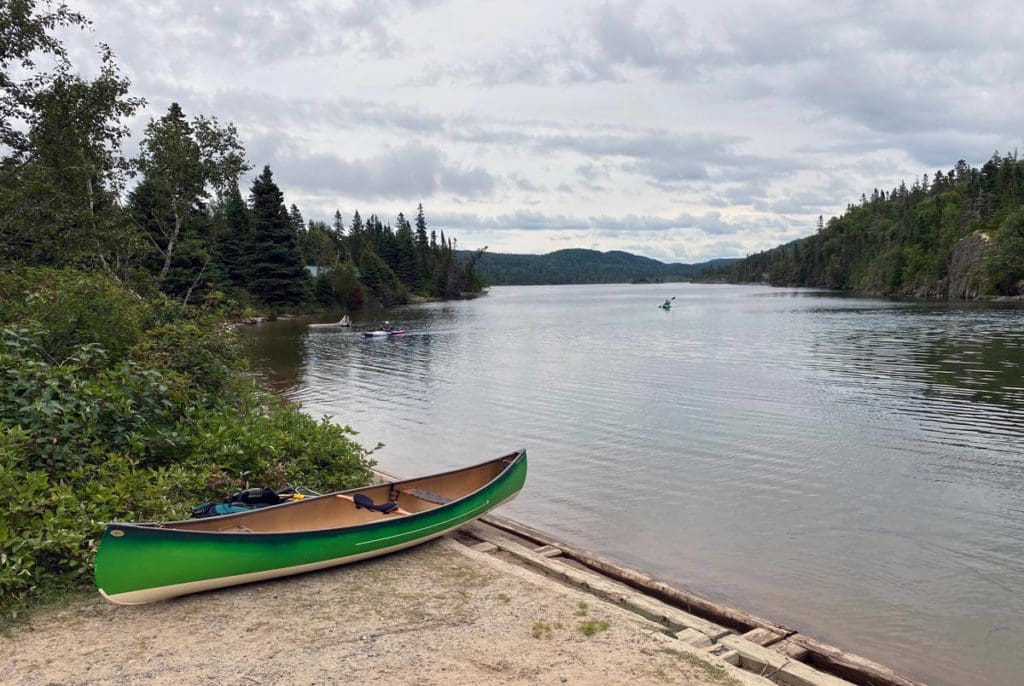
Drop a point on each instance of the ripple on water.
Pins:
(849, 466)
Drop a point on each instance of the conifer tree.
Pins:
(355, 237)
(234, 239)
(338, 234)
(407, 263)
(298, 223)
(276, 273)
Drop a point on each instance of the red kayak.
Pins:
(383, 334)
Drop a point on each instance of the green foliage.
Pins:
(276, 274)
(50, 524)
(117, 408)
(1006, 263)
(58, 184)
(28, 35)
(377, 275)
(267, 440)
(73, 309)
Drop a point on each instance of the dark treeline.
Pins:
(957, 234)
(174, 219)
(582, 266)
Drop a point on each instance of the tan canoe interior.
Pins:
(338, 510)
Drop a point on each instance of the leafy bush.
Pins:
(114, 407)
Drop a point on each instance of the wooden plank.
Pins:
(787, 647)
(547, 551)
(777, 667)
(602, 587)
(484, 547)
(690, 602)
(694, 638)
(855, 668)
(732, 657)
(762, 637)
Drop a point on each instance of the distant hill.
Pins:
(583, 266)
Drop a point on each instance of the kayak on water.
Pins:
(381, 333)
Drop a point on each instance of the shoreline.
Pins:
(484, 604)
(749, 642)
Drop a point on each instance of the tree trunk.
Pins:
(171, 241)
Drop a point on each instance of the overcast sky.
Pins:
(678, 130)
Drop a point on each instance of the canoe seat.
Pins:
(365, 502)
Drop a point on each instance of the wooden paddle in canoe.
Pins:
(141, 563)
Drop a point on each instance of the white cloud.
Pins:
(657, 127)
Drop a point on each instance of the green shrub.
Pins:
(117, 408)
(74, 309)
(270, 441)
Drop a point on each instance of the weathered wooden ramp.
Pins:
(753, 643)
(763, 650)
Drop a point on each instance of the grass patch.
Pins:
(581, 609)
(709, 671)
(594, 626)
(541, 630)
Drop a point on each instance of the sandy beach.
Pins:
(440, 613)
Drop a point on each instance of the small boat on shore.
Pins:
(380, 333)
(142, 563)
(344, 321)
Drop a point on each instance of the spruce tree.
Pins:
(276, 273)
(355, 237)
(233, 241)
(338, 234)
(407, 263)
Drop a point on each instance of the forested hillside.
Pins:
(581, 266)
(957, 234)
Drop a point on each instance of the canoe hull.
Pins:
(141, 564)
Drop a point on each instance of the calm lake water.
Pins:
(853, 468)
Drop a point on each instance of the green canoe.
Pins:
(141, 563)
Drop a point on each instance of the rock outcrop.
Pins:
(967, 267)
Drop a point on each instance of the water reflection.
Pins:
(849, 466)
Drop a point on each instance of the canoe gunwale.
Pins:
(513, 458)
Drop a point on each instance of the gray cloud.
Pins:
(254, 31)
(410, 172)
(711, 223)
